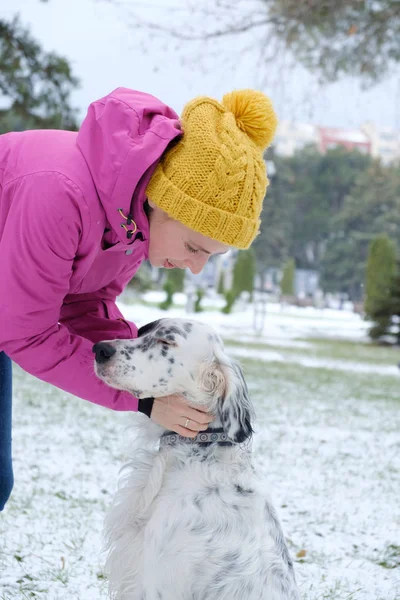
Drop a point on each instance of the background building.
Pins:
(379, 143)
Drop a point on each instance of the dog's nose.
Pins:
(103, 351)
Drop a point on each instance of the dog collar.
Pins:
(203, 438)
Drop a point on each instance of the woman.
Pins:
(79, 213)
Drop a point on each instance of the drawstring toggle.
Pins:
(129, 221)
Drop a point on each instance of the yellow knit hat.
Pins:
(214, 179)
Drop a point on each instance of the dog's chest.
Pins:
(207, 527)
(205, 499)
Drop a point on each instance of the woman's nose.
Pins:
(197, 264)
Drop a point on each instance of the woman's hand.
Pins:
(173, 412)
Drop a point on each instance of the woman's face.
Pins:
(175, 245)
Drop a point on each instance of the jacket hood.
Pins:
(122, 139)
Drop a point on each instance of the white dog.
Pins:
(190, 520)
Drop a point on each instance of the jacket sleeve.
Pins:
(96, 316)
(37, 249)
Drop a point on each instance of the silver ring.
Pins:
(187, 422)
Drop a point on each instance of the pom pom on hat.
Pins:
(254, 115)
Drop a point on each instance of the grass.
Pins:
(329, 349)
(292, 381)
(356, 351)
(391, 557)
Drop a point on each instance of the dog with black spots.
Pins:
(191, 519)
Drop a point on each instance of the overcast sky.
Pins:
(104, 52)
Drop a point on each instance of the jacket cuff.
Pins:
(145, 406)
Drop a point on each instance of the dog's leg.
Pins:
(281, 577)
(125, 523)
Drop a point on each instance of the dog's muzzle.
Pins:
(103, 352)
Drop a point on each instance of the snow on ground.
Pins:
(327, 445)
(281, 322)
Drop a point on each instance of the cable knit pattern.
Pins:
(214, 179)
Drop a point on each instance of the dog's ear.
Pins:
(234, 406)
(221, 379)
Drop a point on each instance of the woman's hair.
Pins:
(147, 208)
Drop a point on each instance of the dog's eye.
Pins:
(166, 341)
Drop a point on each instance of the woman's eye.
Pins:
(191, 249)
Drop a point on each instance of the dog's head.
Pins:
(177, 356)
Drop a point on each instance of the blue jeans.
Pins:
(6, 470)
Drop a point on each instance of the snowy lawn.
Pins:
(327, 443)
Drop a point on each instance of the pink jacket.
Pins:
(64, 256)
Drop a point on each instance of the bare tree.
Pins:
(331, 38)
